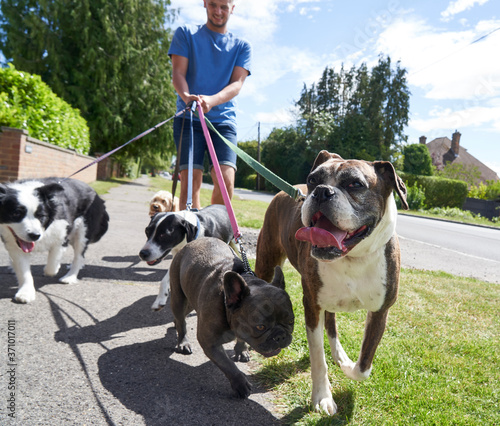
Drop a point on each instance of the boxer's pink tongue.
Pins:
(322, 234)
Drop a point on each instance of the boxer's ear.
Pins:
(386, 170)
(323, 157)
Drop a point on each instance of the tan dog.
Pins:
(342, 241)
(162, 202)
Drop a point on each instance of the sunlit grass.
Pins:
(436, 365)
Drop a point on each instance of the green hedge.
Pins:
(439, 192)
(26, 102)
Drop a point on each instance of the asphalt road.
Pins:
(459, 249)
(94, 352)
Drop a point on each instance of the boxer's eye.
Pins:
(356, 185)
(311, 180)
(260, 327)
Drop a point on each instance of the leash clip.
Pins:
(244, 257)
(193, 106)
(299, 196)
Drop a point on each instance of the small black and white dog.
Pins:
(168, 232)
(48, 214)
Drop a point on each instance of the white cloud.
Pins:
(459, 6)
(479, 116)
(280, 117)
(444, 63)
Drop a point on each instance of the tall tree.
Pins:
(106, 57)
(368, 110)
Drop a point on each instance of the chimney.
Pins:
(423, 140)
(455, 142)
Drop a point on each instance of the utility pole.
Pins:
(258, 154)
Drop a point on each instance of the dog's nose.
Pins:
(33, 236)
(144, 254)
(323, 193)
(280, 338)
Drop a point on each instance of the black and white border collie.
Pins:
(168, 232)
(48, 214)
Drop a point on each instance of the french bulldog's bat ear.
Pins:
(235, 290)
(279, 278)
(386, 169)
(323, 157)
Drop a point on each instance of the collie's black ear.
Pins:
(47, 192)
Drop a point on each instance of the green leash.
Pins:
(293, 192)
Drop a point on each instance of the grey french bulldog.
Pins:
(206, 276)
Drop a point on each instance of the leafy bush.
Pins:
(415, 197)
(453, 212)
(26, 102)
(243, 175)
(460, 171)
(250, 181)
(439, 192)
(489, 191)
(417, 160)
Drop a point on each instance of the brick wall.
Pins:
(24, 157)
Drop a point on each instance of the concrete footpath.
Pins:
(95, 353)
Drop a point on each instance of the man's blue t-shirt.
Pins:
(212, 57)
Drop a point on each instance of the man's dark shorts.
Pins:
(225, 155)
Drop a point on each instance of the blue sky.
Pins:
(455, 83)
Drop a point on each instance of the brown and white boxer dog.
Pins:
(342, 241)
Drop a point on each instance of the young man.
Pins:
(209, 66)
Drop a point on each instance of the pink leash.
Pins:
(220, 179)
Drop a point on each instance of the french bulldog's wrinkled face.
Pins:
(346, 201)
(261, 313)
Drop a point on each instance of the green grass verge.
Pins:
(436, 365)
(454, 215)
(103, 186)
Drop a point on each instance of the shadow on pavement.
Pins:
(146, 379)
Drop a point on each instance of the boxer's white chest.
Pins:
(353, 284)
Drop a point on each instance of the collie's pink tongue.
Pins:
(26, 246)
(322, 234)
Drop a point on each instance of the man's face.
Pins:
(218, 12)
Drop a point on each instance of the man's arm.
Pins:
(229, 92)
(179, 71)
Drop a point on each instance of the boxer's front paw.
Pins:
(322, 401)
(352, 371)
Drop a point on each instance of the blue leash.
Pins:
(189, 201)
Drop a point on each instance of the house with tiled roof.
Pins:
(444, 151)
